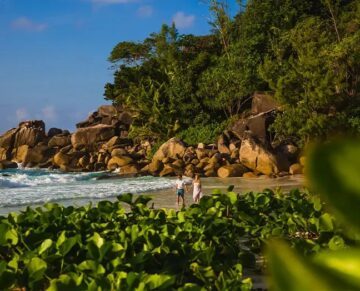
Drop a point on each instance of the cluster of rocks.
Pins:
(245, 149)
(232, 157)
(101, 143)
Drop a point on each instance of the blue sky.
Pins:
(53, 53)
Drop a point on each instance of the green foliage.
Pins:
(222, 85)
(313, 70)
(201, 133)
(129, 52)
(205, 246)
(333, 169)
(178, 81)
(156, 79)
(306, 52)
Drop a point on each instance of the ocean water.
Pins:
(33, 187)
(23, 187)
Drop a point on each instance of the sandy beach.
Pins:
(166, 198)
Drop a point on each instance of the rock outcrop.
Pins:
(262, 115)
(54, 131)
(29, 133)
(173, 149)
(258, 157)
(296, 169)
(263, 102)
(235, 170)
(7, 165)
(101, 143)
(60, 140)
(87, 137)
(117, 117)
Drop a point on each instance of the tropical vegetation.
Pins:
(208, 245)
(305, 53)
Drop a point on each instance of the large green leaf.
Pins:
(142, 199)
(97, 240)
(45, 245)
(92, 266)
(326, 223)
(8, 235)
(126, 198)
(289, 272)
(66, 282)
(7, 277)
(36, 268)
(68, 244)
(344, 265)
(336, 243)
(159, 281)
(232, 196)
(334, 171)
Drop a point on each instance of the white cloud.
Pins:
(182, 20)
(49, 113)
(24, 23)
(145, 11)
(21, 114)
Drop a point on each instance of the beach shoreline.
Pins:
(166, 198)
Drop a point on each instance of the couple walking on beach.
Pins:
(181, 186)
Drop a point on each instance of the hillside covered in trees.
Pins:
(306, 53)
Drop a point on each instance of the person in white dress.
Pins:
(197, 189)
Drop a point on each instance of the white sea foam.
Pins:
(28, 187)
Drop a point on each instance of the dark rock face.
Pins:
(61, 140)
(263, 113)
(117, 117)
(262, 102)
(107, 110)
(258, 125)
(7, 165)
(54, 131)
(125, 118)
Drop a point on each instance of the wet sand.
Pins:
(167, 198)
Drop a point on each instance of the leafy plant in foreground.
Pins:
(206, 246)
(333, 172)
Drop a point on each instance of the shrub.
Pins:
(202, 133)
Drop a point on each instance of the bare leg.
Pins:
(178, 201)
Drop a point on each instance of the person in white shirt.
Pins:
(180, 186)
